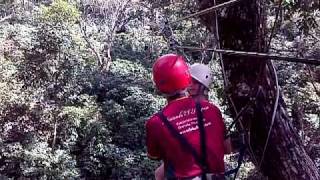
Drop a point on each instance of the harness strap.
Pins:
(240, 159)
(183, 141)
(201, 160)
(202, 140)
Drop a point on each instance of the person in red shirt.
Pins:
(199, 90)
(179, 121)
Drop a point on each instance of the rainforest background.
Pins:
(76, 87)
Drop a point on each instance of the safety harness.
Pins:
(202, 158)
(240, 159)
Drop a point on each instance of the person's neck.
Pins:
(200, 97)
(176, 97)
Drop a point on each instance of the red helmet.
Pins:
(171, 74)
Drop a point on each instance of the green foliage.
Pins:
(60, 11)
(86, 112)
(61, 118)
(40, 161)
(302, 14)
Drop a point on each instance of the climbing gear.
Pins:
(201, 73)
(240, 158)
(241, 144)
(200, 159)
(202, 140)
(171, 74)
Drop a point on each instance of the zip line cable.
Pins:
(241, 53)
(276, 104)
(256, 54)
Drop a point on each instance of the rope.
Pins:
(273, 115)
(238, 114)
(238, 117)
(277, 86)
(218, 45)
(225, 84)
(205, 11)
(258, 55)
(224, 73)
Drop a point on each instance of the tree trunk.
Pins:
(251, 82)
(106, 57)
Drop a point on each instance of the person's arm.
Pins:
(227, 140)
(153, 148)
(159, 172)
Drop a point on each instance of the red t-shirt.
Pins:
(182, 115)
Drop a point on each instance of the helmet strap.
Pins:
(200, 89)
(206, 92)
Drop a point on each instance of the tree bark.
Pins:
(252, 83)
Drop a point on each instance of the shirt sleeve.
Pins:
(219, 119)
(153, 145)
(222, 125)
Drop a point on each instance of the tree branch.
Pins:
(86, 38)
(6, 18)
(54, 133)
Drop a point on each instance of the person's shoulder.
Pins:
(154, 119)
(211, 105)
